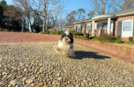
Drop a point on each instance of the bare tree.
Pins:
(71, 17)
(28, 7)
(80, 13)
(16, 13)
(91, 14)
(100, 6)
(61, 22)
(124, 4)
(53, 8)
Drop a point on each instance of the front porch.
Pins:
(102, 25)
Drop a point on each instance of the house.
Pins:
(119, 23)
(69, 28)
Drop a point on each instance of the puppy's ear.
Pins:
(71, 36)
(63, 35)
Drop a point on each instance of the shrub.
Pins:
(87, 35)
(97, 38)
(40, 32)
(13, 30)
(130, 38)
(81, 37)
(119, 37)
(60, 32)
(106, 36)
(77, 33)
(47, 32)
(118, 40)
(57, 32)
(52, 32)
(72, 31)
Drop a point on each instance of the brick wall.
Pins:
(124, 51)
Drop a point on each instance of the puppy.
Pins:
(65, 45)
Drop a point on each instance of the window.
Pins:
(76, 28)
(89, 28)
(70, 28)
(79, 28)
(127, 25)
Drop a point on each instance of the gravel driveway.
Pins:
(37, 64)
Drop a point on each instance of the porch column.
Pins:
(109, 25)
(93, 26)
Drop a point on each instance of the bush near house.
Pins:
(75, 33)
(130, 38)
(81, 37)
(72, 31)
(57, 32)
(86, 35)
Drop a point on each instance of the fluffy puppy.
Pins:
(65, 45)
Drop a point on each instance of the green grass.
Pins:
(128, 42)
(111, 40)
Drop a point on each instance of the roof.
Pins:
(83, 21)
(115, 14)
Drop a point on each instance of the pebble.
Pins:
(82, 84)
(13, 85)
(1, 83)
(77, 85)
(1, 59)
(9, 85)
(28, 81)
(41, 84)
(23, 79)
(32, 84)
(54, 82)
(45, 86)
(59, 78)
(13, 82)
(58, 75)
(90, 84)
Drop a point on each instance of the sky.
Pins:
(76, 4)
(71, 6)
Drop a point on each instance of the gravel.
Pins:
(37, 65)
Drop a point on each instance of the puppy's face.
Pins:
(67, 37)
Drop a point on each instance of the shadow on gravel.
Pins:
(82, 54)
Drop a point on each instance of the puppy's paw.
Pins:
(73, 56)
(56, 48)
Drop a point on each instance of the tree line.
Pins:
(40, 15)
(34, 15)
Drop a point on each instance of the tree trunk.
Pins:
(43, 26)
(30, 29)
(22, 25)
(44, 22)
